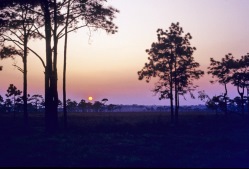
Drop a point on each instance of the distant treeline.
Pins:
(36, 103)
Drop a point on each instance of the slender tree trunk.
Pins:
(171, 89)
(25, 105)
(64, 70)
(55, 76)
(242, 99)
(176, 93)
(171, 97)
(176, 105)
(225, 97)
(242, 103)
(178, 102)
(14, 106)
(247, 99)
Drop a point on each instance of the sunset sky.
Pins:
(105, 66)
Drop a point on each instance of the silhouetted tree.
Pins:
(213, 103)
(17, 25)
(104, 100)
(36, 101)
(97, 106)
(237, 102)
(65, 66)
(51, 94)
(222, 71)
(111, 107)
(171, 61)
(203, 96)
(1, 103)
(1, 99)
(240, 77)
(15, 93)
(89, 106)
(247, 99)
(82, 105)
(43, 104)
(71, 105)
(8, 105)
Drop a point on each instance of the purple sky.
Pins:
(105, 66)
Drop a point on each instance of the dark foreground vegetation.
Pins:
(127, 140)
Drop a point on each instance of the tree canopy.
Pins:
(172, 63)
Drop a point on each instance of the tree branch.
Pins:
(20, 69)
(38, 57)
(72, 30)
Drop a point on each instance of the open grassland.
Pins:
(141, 139)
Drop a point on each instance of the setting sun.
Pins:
(90, 98)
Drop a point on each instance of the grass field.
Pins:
(141, 139)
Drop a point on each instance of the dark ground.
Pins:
(127, 140)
